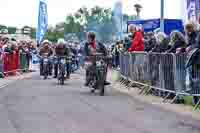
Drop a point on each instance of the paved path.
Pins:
(10, 79)
(36, 106)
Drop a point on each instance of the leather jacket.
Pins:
(62, 50)
(100, 48)
(44, 50)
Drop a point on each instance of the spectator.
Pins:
(150, 41)
(177, 42)
(138, 39)
(121, 47)
(127, 43)
(116, 53)
(193, 65)
(4, 43)
(162, 43)
(191, 35)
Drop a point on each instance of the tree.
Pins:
(12, 30)
(33, 33)
(3, 27)
(95, 19)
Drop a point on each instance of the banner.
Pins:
(118, 18)
(151, 25)
(42, 21)
(191, 10)
(198, 10)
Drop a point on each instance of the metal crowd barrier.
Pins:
(163, 72)
(11, 63)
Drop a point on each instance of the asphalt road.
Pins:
(37, 106)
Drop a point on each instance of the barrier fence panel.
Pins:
(122, 64)
(139, 67)
(167, 72)
(154, 70)
(10, 63)
(13, 62)
(7, 63)
(1, 68)
(127, 64)
(180, 72)
(195, 79)
(132, 60)
(17, 60)
(23, 62)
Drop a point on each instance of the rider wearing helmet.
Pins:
(61, 50)
(90, 48)
(46, 49)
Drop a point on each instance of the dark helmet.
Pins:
(91, 35)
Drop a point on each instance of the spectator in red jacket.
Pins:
(138, 39)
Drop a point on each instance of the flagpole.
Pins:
(162, 21)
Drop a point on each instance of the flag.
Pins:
(42, 21)
(118, 18)
(191, 10)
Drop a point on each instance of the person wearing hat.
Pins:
(61, 50)
(46, 49)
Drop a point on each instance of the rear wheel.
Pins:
(102, 92)
(62, 80)
(101, 87)
(100, 84)
(62, 74)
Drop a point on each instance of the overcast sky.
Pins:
(25, 12)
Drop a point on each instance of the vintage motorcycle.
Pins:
(97, 73)
(46, 66)
(61, 69)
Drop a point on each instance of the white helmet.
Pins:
(46, 41)
(61, 41)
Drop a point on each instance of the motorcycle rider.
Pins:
(90, 48)
(61, 50)
(74, 52)
(46, 48)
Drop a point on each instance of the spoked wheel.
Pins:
(62, 80)
(101, 88)
(45, 72)
(92, 91)
(102, 92)
(100, 84)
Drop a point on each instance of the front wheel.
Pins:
(45, 72)
(101, 87)
(61, 77)
(101, 83)
(62, 80)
